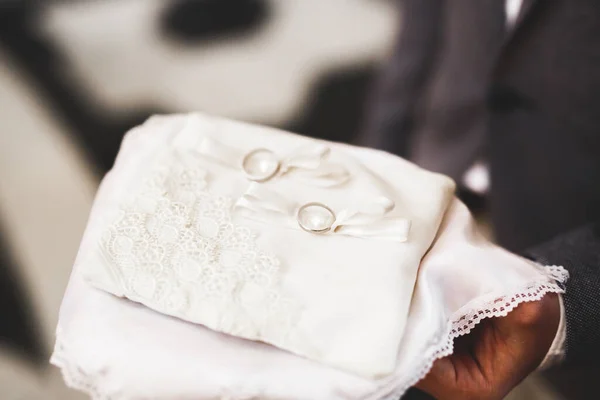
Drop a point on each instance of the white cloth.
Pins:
(114, 348)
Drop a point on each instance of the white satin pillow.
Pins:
(112, 348)
(180, 228)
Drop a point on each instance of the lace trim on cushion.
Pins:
(90, 383)
(466, 318)
(175, 249)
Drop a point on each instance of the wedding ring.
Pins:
(260, 165)
(315, 218)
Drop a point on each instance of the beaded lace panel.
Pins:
(176, 249)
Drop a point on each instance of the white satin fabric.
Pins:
(113, 348)
(189, 235)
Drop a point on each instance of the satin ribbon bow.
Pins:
(369, 220)
(308, 163)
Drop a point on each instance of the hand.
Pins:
(497, 355)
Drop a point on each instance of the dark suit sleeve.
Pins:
(400, 84)
(579, 252)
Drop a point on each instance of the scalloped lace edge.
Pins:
(461, 323)
(467, 317)
(75, 377)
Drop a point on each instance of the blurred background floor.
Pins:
(75, 75)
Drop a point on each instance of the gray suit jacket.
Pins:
(544, 152)
(531, 99)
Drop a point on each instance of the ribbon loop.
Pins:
(308, 164)
(253, 204)
(395, 229)
(307, 157)
(368, 221)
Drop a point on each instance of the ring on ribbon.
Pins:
(369, 220)
(308, 163)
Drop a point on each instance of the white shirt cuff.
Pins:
(556, 353)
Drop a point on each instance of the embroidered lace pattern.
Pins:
(175, 249)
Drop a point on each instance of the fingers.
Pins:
(544, 312)
(440, 380)
(451, 379)
(529, 332)
(497, 355)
